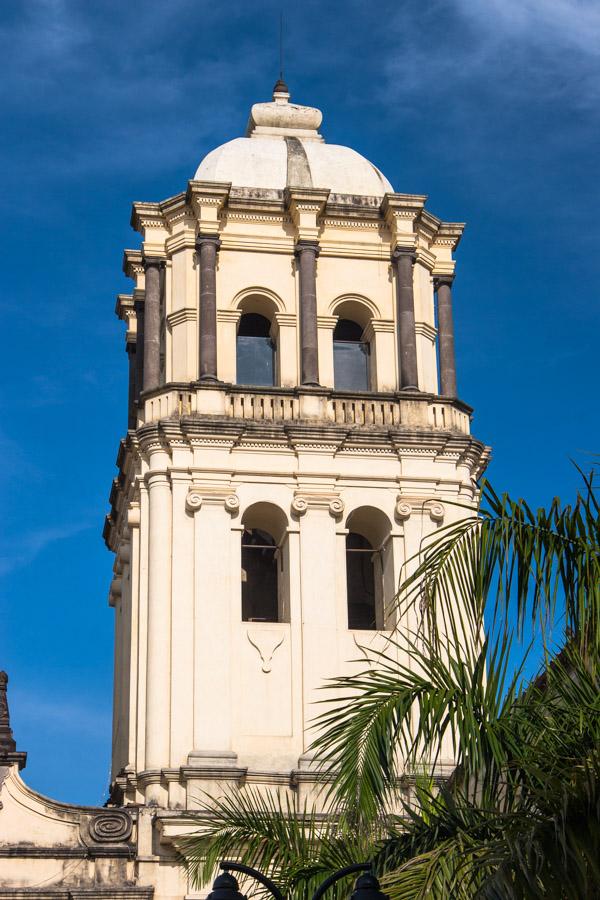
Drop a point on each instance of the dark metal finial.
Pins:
(280, 85)
(8, 745)
(281, 47)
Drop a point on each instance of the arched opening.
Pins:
(264, 564)
(360, 582)
(255, 351)
(259, 576)
(350, 357)
(369, 570)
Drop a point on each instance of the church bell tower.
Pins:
(294, 431)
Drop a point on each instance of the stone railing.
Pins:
(407, 408)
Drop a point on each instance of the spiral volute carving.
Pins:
(111, 827)
(193, 501)
(403, 510)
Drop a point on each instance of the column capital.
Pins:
(403, 251)
(209, 238)
(442, 280)
(156, 261)
(306, 244)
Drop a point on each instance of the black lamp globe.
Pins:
(367, 888)
(225, 887)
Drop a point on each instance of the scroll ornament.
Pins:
(110, 827)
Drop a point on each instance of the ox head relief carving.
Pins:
(265, 644)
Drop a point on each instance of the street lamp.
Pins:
(367, 888)
(225, 887)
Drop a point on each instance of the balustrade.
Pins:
(292, 405)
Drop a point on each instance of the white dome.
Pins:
(283, 148)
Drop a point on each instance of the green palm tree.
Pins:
(503, 670)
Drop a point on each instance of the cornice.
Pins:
(309, 198)
(425, 258)
(181, 240)
(327, 322)
(207, 198)
(449, 234)
(124, 307)
(287, 320)
(176, 208)
(229, 315)
(146, 216)
(426, 330)
(428, 224)
(132, 263)
(179, 316)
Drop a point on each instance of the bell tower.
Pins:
(294, 431)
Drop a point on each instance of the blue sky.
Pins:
(488, 106)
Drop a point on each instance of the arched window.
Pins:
(260, 595)
(360, 581)
(255, 351)
(370, 584)
(350, 357)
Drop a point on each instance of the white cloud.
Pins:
(73, 715)
(22, 549)
(566, 23)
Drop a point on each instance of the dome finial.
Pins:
(280, 89)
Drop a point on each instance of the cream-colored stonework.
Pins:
(203, 700)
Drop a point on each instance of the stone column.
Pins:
(306, 253)
(403, 258)
(207, 247)
(132, 390)
(443, 286)
(158, 660)
(152, 267)
(139, 341)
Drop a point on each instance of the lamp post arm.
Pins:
(357, 867)
(258, 876)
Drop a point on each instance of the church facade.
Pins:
(294, 432)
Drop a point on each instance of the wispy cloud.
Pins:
(115, 81)
(571, 24)
(19, 551)
(73, 715)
